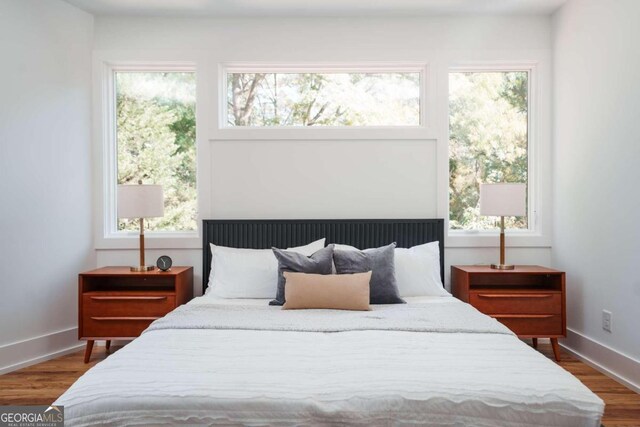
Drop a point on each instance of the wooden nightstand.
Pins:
(529, 300)
(116, 303)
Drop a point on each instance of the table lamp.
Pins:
(140, 201)
(503, 200)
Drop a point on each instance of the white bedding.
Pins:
(214, 300)
(365, 377)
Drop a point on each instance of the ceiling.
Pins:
(310, 8)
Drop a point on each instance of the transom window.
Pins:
(323, 99)
(488, 141)
(155, 135)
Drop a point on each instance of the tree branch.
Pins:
(251, 96)
(318, 114)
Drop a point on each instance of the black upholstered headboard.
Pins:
(361, 233)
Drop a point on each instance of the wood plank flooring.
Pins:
(41, 384)
(622, 404)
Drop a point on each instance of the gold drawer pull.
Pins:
(124, 318)
(138, 298)
(522, 316)
(514, 295)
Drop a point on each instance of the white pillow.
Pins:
(417, 270)
(248, 273)
(341, 247)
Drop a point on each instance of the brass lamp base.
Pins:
(503, 266)
(143, 268)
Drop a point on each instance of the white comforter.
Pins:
(188, 369)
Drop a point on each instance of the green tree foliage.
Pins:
(488, 141)
(156, 134)
(323, 99)
(156, 127)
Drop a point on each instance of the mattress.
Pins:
(435, 362)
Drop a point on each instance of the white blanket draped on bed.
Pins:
(417, 317)
(437, 364)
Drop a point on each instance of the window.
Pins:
(156, 142)
(488, 141)
(303, 99)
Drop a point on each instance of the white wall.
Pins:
(50, 171)
(392, 178)
(597, 200)
(45, 175)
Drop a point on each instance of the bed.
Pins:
(433, 361)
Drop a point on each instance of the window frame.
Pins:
(535, 234)
(422, 131)
(109, 237)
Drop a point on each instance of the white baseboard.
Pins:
(35, 350)
(622, 368)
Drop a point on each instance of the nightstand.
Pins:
(529, 300)
(116, 303)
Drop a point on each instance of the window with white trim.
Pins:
(154, 127)
(489, 124)
(289, 98)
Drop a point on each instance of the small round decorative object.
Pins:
(164, 263)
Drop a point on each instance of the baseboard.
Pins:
(35, 350)
(622, 368)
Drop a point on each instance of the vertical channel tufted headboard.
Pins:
(284, 233)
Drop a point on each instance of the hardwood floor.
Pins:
(41, 384)
(622, 404)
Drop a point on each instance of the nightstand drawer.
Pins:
(122, 305)
(115, 326)
(517, 302)
(532, 324)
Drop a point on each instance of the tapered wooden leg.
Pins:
(556, 348)
(534, 341)
(87, 351)
(108, 344)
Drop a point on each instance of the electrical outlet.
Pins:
(606, 320)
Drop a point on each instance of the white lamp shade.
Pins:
(503, 199)
(140, 201)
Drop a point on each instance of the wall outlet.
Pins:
(606, 320)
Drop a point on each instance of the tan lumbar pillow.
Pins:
(328, 291)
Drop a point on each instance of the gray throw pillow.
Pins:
(318, 263)
(381, 262)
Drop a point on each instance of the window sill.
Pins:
(186, 240)
(323, 133)
(491, 239)
(194, 241)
